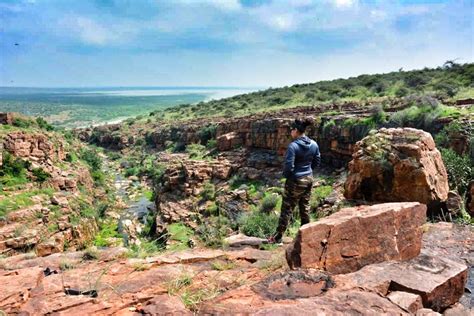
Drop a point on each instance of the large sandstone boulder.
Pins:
(354, 237)
(398, 164)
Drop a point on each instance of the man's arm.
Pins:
(289, 166)
(316, 159)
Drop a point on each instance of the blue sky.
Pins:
(224, 42)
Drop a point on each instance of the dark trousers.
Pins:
(297, 192)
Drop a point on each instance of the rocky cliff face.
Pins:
(43, 215)
(337, 128)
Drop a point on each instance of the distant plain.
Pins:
(80, 107)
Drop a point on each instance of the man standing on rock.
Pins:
(302, 156)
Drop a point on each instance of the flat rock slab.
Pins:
(355, 237)
(294, 284)
(240, 240)
(439, 281)
(246, 301)
(188, 256)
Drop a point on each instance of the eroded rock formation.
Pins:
(398, 164)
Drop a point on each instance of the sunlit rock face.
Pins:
(354, 237)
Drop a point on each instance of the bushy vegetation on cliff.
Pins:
(452, 80)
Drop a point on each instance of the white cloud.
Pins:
(227, 5)
(299, 3)
(91, 32)
(378, 15)
(282, 22)
(343, 4)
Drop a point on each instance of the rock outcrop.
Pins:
(247, 280)
(179, 197)
(36, 147)
(355, 237)
(6, 118)
(45, 215)
(398, 164)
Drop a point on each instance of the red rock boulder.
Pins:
(354, 237)
(398, 164)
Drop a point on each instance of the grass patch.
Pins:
(196, 151)
(108, 230)
(175, 285)
(179, 235)
(258, 224)
(17, 201)
(221, 265)
(147, 248)
(318, 194)
(193, 297)
(66, 265)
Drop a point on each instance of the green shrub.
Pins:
(113, 155)
(269, 202)
(88, 212)
(179, 236)
(328, 125)
(378, 114)
(213, 209)
(15, 202)
(155, 172)
(71, 157)
(213, 231)
(132, 171)
(401, 92)
(108, 229)
(13, 170)
(146, 249)
(207, 133)
(211, 144)
(98, 176)
(196, 151)
(258, 224)
(459, 168)
(21, 122)
(43, 124)
(40, 175)
(208, 192)
(92, 158)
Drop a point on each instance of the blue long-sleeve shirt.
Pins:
(302, 156)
